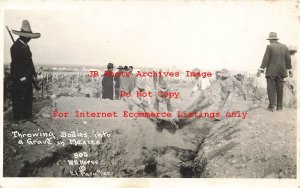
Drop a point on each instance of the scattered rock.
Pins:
(53, 96)
(186, 155)
(46, 115)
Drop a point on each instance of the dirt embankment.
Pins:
(133, 144)
(263, 145)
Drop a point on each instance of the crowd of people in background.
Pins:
(113, 84)
(229, 84)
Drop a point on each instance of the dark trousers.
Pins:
(22, 98)
(108, 93)
(117, 93)
(275, 91)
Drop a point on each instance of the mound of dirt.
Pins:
(120, 154)
(262, 146)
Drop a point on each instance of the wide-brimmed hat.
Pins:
(292, 48)
(120, 67)
(273, 36)
(163, 85)
(141, 84)
(224, 73)
(110, 65)
(26, 31)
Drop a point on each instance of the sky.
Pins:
(186, 34)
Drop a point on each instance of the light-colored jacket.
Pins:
(229, 85)
(138, 99)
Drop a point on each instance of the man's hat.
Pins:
(120, 67)
(110, 65)
(26, 31)
(273, 36)
(141, 84)
(125, 67)
(292, 48)
(224, 73)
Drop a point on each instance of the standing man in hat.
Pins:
(277, 62)
(22, 72)
(132, 79)
(125, 82)
(117, 82)
(108, 83)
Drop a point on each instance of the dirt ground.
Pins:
(261, 146)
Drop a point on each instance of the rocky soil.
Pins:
(263, 145)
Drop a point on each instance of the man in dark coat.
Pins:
(23, 73)
(108, 83)
(277, 62)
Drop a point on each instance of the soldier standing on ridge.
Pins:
(23, 73)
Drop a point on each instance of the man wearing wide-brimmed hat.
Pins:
(108, 83)
(229, 83)
(228, 88)
(22, 72)
(277, 63)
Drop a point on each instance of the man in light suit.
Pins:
(277, 62)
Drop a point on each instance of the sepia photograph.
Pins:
(150, 89)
